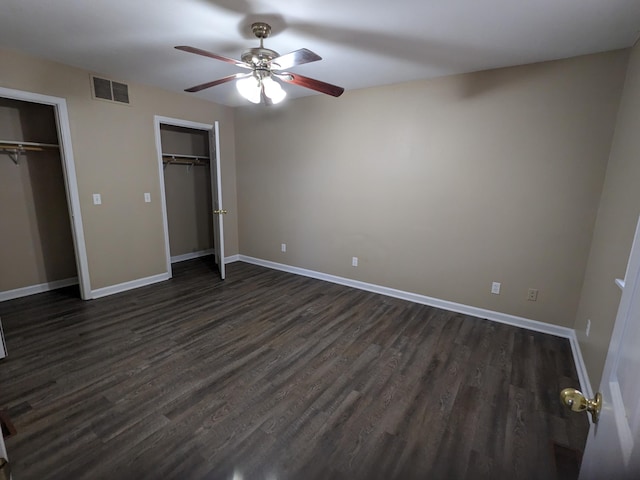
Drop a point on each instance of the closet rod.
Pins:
(185, 162)
(191, 162)
(4, 144)
(180, 155)
(14, 149)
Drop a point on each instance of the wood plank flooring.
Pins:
(269, 375)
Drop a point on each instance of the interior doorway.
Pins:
(189, 166)
(43, 232)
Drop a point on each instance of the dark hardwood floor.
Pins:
(269, 375)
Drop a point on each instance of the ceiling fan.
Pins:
(267, 69)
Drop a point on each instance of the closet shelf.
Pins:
(15, 149)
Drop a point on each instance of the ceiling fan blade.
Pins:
(215, 56)
(220, 81)
(292, 59)
(311, 83)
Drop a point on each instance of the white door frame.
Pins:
(177, 122)
(70, 179)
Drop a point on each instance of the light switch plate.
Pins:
(147, 197)
(97, 199)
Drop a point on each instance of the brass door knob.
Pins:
(577, 402)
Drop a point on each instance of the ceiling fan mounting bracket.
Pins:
(261, 29)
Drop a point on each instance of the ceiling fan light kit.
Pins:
(253, 88)
(263, 83)
(249, 88)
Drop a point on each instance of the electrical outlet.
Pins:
(354, 261)
(588, 327)
(147, 197)
(283, 247)
(97, 199)
(495, 288)
(532, 295)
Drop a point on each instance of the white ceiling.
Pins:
(363, 42)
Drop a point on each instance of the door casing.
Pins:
(70, 180)
(212, 133)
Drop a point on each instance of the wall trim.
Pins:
(231, 259)
(39, 288)
(70, 180)
(492, 315)
(189, 256)
(142, 282)
(123, 287)
(157, 121)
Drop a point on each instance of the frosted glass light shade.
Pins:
(273, 90)
(249, 88)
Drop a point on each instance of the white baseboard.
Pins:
(123, 287)
(141, 282)
(417, 298)
(500, 317)
(33, 289)
(189, 256)
(231, 259)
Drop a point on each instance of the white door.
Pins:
(216, 196)
(3, 346)
(3, 455)
(613, 445)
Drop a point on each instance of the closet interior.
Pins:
(36, 243)
(188, 193)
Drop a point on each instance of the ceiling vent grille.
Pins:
(104, 89)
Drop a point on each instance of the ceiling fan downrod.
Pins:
(259, 57)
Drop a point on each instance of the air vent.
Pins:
(104, 89)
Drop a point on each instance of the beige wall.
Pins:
(115, 155)
(614, 230)
(34, 219)
(439, 187)
(188, 192)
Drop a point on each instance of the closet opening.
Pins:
(42, 238)
(190, 188)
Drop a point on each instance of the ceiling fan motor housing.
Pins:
(259, 56)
